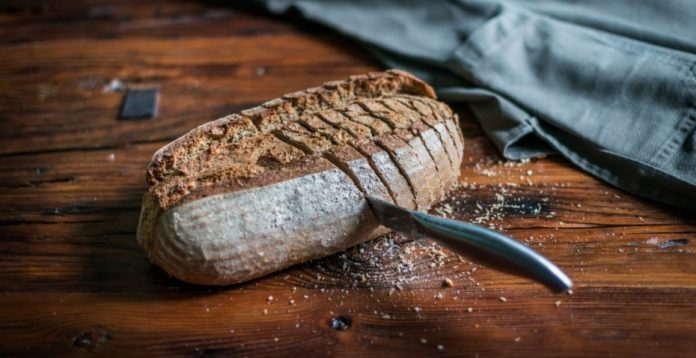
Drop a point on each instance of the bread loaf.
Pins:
(283, 183)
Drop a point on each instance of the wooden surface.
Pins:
(74, 281)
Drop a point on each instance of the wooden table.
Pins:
(74, 280)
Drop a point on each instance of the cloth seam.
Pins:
(606, 174)
(684, 128)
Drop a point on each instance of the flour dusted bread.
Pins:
(285, 182)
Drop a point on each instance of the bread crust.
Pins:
(245, 195)
(265, 116)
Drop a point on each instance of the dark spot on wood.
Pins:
(105, 337)
(214, 351)
(513, 205)
(84, 340)
(673, 243)
(531, 206)
(92, 338)
(341, 323)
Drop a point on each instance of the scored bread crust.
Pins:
(283, 183)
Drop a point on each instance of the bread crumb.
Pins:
(116, 85)
(570, 292)
(558, 303)
(502, 299)
(265, 311)
(438, 296)
(270, 299)
(440, 347)
(529, 172)
(424, 341)
(518, 339)
(447, 282)
(445, 210)
(470, 309)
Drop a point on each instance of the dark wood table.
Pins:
(74, 280)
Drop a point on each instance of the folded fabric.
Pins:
(611, 85)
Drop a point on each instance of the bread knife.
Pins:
(480, 244)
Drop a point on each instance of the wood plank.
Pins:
(58, 20)
(53, 94)
(585, 323)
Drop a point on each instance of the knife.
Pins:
(483, 245)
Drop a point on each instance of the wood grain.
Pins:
(74, 281)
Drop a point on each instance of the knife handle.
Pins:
(493, 249)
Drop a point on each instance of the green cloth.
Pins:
(610, 85)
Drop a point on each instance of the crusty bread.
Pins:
(283, 183)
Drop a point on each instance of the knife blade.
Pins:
(480, 244)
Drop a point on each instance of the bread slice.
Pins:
(285, 182)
